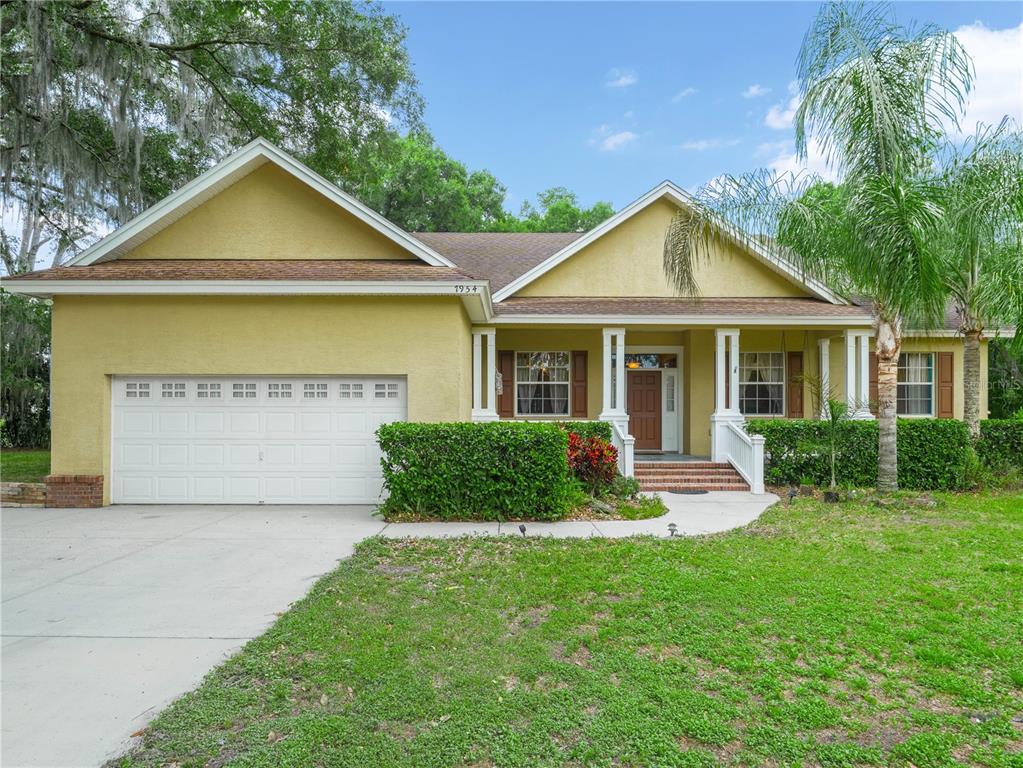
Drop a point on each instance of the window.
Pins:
(351, 391)
(316, 390)
(669, 393)
(278, 391)
(916, 384)
(762, 383)
(173, 389)
(246, 390)
(647, 360)
(386, 390)
(541, 383)
(136, 389)
(207, 390)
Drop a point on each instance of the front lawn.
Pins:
(841, 635)
(24, 466)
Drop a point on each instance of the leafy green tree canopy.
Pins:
(107, 105)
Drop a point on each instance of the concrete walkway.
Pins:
(110, 614)
(693, 515)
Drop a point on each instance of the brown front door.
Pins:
(644, 407)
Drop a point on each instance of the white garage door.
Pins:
(250, 440)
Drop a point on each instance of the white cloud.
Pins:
(998, 86)
(621, 78)
(755, 90)
(781, 115)
(687, 91)
(617, 141)
(629, 115)
(783, 159)
(702, 145)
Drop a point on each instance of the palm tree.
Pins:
(873, 98)
(981, 239)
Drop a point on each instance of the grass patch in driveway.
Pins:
(19, 465)
(821, 635)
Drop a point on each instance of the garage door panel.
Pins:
(210, 488)
(173, 487)
(136, 454)
(209, 422)
(250, 439)
(170, 422)
(282, 454)
(243, 454)
(209, 454)
(173, 455)
(138, 423)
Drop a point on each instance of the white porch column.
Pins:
(857, 374)
(492, 371)
(733, 372)
(614, 397)
(606, 375)
(824, 348)
(726, 408)
(484, 410)
(620, 372)
(719, 372)
(477, 372)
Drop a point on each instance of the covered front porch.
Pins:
(670, 392)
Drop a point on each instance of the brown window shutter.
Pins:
(506, 400)
(872, 383)
(945, 386)
(579, 385)
(795, 385)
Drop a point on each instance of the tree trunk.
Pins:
(889, 342)
(971, 381)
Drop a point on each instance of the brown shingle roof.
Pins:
(499, 257)
(355, 270)
(798, 307)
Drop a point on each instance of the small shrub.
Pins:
(933, 453)
(473, 471)
(594, 461)
(624, 487)
(1000, 446)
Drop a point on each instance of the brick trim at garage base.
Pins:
(74, 491)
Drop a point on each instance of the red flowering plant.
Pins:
(593, 460)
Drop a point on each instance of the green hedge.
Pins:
(933, 453)
(1001, 444)
(476, 471)
(587, 429)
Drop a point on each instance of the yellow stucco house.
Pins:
(240, 342)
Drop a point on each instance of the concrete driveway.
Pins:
(109, 614)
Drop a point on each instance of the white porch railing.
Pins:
(626, 446)
(743, 451)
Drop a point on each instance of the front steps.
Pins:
(688, 476)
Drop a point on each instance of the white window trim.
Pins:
(934, 388)
(515, 388)
(784, 384)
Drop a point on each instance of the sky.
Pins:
(609, 99)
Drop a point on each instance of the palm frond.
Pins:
(872, 92)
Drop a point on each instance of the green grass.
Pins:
(24, 466)
(821, 635)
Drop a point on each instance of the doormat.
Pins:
(688, 492)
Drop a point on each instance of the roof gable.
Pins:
(225, 174)
(670, 193)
